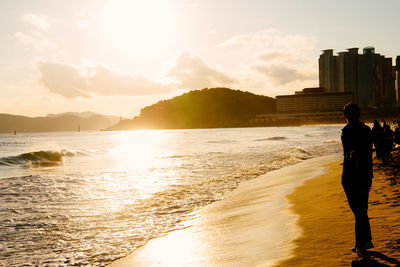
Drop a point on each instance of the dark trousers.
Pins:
(357, 197)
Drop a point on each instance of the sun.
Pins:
(139, 26)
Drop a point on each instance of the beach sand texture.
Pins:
(237, 230)
(328, 225)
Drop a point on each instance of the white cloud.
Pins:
(286, 61)
(283, 68)
(64, 79)
(107, 82)
(282, 74)
(60, 54)
(287, 58)
(193, 73)
(73, 81)
(34, 41)
(39, 21)
(273, 40)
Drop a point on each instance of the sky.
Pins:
(116, 57)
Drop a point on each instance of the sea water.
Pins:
(89, 198)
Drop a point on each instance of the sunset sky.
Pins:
(115, 57)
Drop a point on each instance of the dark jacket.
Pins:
(357, 151)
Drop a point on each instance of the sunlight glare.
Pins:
(140, 148)
(139, 26)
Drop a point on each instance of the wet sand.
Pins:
(267, 223)
(328, 225)
(251, 226)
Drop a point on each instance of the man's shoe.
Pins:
(362, 253)
(367, 245)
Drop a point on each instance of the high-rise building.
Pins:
(347, 72)
(327, 71)
(369, 76)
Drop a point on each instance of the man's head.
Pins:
(351, 113)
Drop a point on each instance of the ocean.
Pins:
(88, 198)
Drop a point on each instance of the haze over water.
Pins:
(91, 197)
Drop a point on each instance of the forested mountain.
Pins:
(206, 108)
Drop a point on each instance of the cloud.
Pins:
(281, 74)
(283, 68)
(64, 79)
(38, 21)
(62, 53)
(34, 41)
(107, 82)
(272, 39)
(73, 81)
(284, 60)
(192, 73)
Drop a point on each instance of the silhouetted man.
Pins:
(357, 174)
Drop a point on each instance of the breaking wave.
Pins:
(38, 158)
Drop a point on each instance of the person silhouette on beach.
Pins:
(357, 174)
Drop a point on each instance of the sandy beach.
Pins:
(266, 223)
(251, 226)
(328, 225)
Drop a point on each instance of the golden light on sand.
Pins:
(178, 249)
(143, 27)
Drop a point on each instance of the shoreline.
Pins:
(328, 224)
(314, 226)
(325, 220)
(251, 226)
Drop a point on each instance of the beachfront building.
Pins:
(307, 106)
(313, 100)
(312, 104)
(369, 76)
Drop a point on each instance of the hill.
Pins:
(206, 108)
(84, 115)
(63, 123)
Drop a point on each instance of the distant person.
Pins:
(357, 174)
(378, 139)
(396, 134)
(388, 145)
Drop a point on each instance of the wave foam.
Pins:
(38, 158)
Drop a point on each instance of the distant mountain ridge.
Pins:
(206, 108)
(55, 122)
(85, 114)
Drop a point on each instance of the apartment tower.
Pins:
(369, 76)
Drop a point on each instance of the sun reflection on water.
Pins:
(137, 159)
(138, 148)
